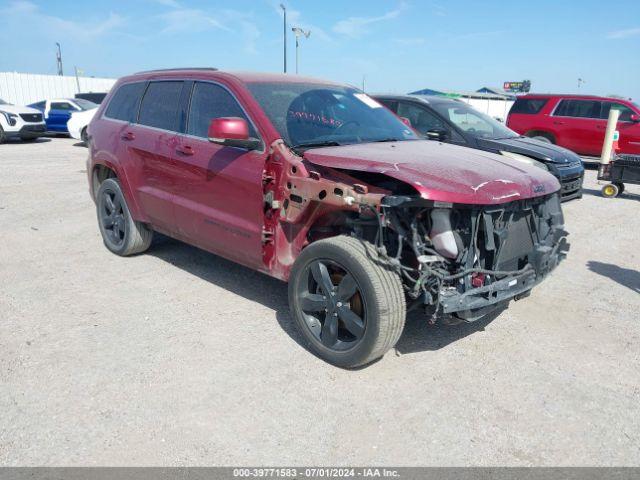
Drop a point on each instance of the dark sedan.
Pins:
(453, 121)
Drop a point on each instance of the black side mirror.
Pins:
(438, 134)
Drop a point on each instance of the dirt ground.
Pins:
(178, 357)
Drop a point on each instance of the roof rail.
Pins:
(176, 69)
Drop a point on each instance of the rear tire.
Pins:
(3, 137)
(348, 304)
(620, 188)
(121, 234)
(83, 136)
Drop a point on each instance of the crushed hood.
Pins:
(442, 172)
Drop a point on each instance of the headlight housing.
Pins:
(525, 159)
(11, 118)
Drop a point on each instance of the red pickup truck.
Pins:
(317, 184)
(576, 122)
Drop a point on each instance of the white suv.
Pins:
(20, 122)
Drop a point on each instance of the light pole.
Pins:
(284, 32)
(299, 32)
(580, 82)
(59, 59)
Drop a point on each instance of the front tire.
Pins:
(3, 137)
(347, 303)
(121, 234)
(84, 137)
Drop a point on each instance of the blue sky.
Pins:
(398, 46)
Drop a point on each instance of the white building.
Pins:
(26, 88)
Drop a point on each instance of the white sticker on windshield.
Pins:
(364, 98)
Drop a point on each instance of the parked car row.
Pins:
(59, 115)
(320, 185)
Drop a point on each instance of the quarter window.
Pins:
(210, 101)
(528, 106)
(578, 109)
(625, 112)
(160, 105)
(125, 103)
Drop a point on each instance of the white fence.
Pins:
(26, 88)
(495, 108)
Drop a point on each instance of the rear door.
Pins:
(219, 202)
(58, 115)
(576, 126)
(629, 141)
(151, 145)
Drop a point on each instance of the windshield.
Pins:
(85, 104)
(473, 122)
(313, 115)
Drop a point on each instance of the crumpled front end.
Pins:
(468, 260)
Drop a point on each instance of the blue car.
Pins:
(57, 111)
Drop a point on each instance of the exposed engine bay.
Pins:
(466, 260)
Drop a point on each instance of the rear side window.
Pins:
(124, 104)
(210, 101)
(625, 112)
(159, 106)
(578, 109)
(529, 106)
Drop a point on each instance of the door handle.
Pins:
(558, 123)
(128, 136)
(185, 150)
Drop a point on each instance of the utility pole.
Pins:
(299, 32)
(77, 79)
(284, 33)
(59, 59)
(363, 77)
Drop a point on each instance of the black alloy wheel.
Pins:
(332, 305)
(112, 218)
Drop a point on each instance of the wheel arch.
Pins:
(541, 133)
(103, 169)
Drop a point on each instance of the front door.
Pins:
(219, 203)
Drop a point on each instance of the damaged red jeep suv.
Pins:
(317, 184)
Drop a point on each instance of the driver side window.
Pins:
(421, 119)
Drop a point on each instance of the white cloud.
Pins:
(168, 3)
(189, 20)
(630, 32)
(28, 14)
(355, 27)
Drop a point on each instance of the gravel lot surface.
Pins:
(178, 357)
